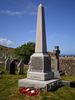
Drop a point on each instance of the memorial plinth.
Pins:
(46, 86)
(39, 72)
(40, 67)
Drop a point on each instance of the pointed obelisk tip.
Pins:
(40, 5)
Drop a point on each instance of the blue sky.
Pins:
(18, 20)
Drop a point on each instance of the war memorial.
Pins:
(39, 74)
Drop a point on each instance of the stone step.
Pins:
(47, 86)
(62, 74)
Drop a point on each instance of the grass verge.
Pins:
(9, 88)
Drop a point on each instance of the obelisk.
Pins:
(39, 74)
(40, 61)
(40, 32)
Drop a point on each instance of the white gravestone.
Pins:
(7, 64)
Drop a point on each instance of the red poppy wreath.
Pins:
(33, 92)
(24, 90)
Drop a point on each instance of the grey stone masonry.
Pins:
(40, 46)
(40, 61)
(39, 74)
(57, 72)
(7, 64)
(21, 65)
(56, 52)
(46, 86)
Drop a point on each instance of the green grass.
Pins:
(9, 89)
(69, 78)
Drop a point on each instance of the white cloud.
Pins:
(31, 7)
(8, 42)
(8, 12)
(2, 40)
(29, 10)
(52, 36)
(32, 31)
(5, 41)
(32, 13)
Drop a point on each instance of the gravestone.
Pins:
(56, 52)
(11, 57)
(2, 63)
(57, 72)
(7, 64)
(21, 64)
(15, 66)
(12, 67)
(39, 74)
(2, 72)
(5, 57)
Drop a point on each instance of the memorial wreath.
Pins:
(33, 92)
(24, 90)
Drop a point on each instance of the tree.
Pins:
(25, 51)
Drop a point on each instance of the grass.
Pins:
(9, 89)
(69, 78)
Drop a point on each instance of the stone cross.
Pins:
(12, 67)
(7, 64)
(21, 64)
(56, 52)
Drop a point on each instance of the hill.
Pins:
(50, 53)
(6, 50)
(9, 51)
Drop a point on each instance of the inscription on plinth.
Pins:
(35, 77)
(36, 64)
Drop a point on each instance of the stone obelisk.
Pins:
(40, 61)
(39, 74)
(40, 32)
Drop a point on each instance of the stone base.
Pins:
(42, 85)
(40, 76)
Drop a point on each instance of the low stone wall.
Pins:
(66, 64)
